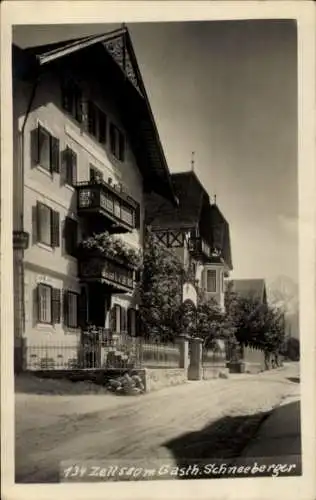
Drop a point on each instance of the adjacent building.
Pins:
(86, 155)
(197, 231)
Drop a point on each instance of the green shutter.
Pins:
(55, 230)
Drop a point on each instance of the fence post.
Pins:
(183, 343)
(195, 367)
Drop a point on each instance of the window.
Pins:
(71, 236)
(45, 149)
(44, 304)
(70, 166)
(72, 99)
(47, 225)
(211, 280)
(117, 142)
(222, 279)
(116, 318)
(48, 304)
(71, 309)
(97, 122)
(95, 174)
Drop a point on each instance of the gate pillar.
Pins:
(195, 366)
(183, 343)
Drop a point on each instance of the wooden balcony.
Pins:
(115, 275)
(99, 199)
(199, 249)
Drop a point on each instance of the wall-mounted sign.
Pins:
(20, 240)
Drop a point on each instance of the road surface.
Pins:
(213, 418)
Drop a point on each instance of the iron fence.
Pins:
(121, 352)
(211, 357)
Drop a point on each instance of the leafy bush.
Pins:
(112, 247)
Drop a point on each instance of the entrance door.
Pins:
(97, 305)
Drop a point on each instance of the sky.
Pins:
(228, 91)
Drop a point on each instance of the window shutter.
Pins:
(123, 325)
(34, 147)
(71, 231)
(55, 154)
(138, 320)
(74, 167)
(137, 216)
(91, 118)
(80, 106)
(66, 308)
(55, 237)
(121, 139)
(112, 138)
(56, 305)
(113, 319)
(82, 308)
(129, 321)
(38, 221)
(67, 101)
(36, 297)
(102, 124)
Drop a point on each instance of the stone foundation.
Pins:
(157, 378)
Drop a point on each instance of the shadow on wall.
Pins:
(224, 441)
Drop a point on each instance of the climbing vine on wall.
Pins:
(160, 290)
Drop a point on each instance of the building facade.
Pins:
(86, 153)
(197, 232)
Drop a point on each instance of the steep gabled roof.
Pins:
(190, 194)
(194, 211)
(249, 288)
(115, 51)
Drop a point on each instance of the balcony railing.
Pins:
(199, 248)
(101, 198)
(116, 275)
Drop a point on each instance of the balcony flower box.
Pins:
(112, 248)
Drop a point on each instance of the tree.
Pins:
(212, 324)
(256, 324)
